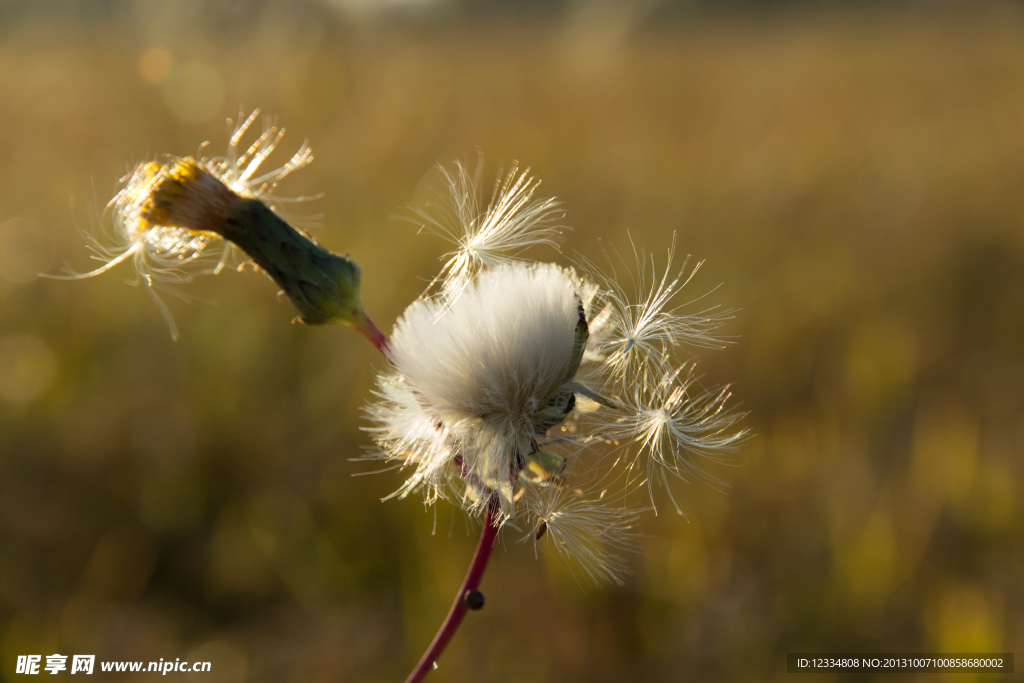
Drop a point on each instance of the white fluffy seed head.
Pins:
(487, 396)
(492, 370)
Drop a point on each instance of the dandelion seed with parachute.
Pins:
(487, 237)
(633, 338)
(590, 533)
(675, 421)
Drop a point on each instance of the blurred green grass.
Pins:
(851, 178)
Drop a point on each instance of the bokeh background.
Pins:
(851, 173)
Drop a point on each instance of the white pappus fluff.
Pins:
(636, 338)
(487, 237)
(491, 374)
(587, 532)
(532, 385)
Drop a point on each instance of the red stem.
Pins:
(474, 575)
(368, 329)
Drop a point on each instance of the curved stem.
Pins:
(472, 581)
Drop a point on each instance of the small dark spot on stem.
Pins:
(474, 600)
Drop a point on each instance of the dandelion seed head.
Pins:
(538, 383)
(492, 370)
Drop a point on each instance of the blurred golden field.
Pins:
(852, 178)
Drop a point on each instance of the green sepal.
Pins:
(323, 286)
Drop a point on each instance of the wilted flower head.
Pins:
(144, 225)
(532, 384)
